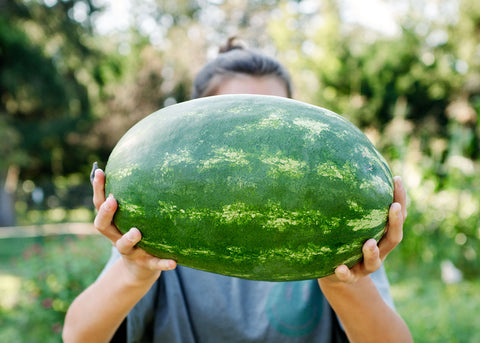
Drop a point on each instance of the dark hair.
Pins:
(235, 58)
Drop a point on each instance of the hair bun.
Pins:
(232, 44)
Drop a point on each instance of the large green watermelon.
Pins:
(258, 187)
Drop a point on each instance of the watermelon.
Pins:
(251, 186)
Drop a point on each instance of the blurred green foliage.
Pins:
(44, 101)
(53, 272)
(435, 311)
(68, 93)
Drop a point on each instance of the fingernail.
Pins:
(398, 211)
(92, 173)
(167, 264)
(342, 271)
(108, 203)
(130, 235)
(398, 181)
(107, 206)
(372, 245)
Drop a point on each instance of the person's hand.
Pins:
(373, 254)
(141, 264)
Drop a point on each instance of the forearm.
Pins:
(363, 313)
(97, 313)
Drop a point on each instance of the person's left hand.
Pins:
(373, 254)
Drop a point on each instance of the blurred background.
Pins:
(76, 74)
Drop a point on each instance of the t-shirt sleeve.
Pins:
(114, 256)
(380, 280)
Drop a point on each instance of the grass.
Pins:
(439, 312)
(32, 278)
(39, 278)
(433, 310)
(11, 248)
(10, 281)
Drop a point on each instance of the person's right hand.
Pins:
(141, 265)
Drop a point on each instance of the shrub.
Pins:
(53, 274)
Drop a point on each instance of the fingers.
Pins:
(396, 216)
(92, 173)
(126, 243)
(126, 246)
(344, 274)
(106, 206)
(400, 195)
(371, 262)
(98, 185)
(371, 256)
(103, 220)
(163, 264)
(394, 232)
(138, 260)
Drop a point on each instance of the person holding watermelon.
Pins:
(142, 298)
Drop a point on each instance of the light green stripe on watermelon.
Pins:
(251, 186)
(125, 172)
(225, 155)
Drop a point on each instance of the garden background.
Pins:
(74, 76)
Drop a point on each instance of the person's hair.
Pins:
(234, 58)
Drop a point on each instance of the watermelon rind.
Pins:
(251, 186)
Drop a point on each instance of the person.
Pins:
(142, 298)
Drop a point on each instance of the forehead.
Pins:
(248, 84)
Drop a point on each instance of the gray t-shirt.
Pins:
(187, 305)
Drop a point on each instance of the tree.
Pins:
(48, 86)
